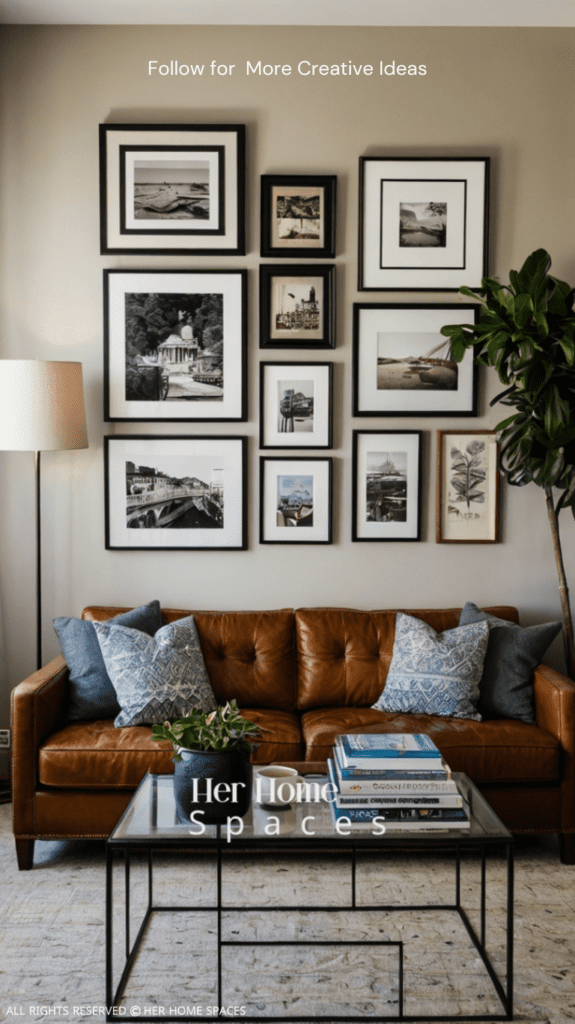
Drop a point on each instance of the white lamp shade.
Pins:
(41, 405)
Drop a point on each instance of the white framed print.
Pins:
(295, 500)
(296, 405)
(386, 485)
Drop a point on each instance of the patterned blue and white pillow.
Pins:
(435, 673)
(156, 678)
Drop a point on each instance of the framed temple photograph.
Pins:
(297, 306)
(467, 487)
(175, 493)
(386, 485)
(295, 500)
(423, 223)
(172, 189)
(175, 345)
(402, 364)
(298, 215)
(296, 408)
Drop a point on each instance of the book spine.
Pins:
(403, 814)
(394, 785)
(413, 775)
(380, 800)
(351, 791)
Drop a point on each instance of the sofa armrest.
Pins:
(555, 712)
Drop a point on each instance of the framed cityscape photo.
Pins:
(423, 223)
(386, 485)
(298, 215)
(402, 364)
(467, 487)
(297, 306)
(175, 493)
(175, 345)
(295, 500)
(296, 405)
(172, 189)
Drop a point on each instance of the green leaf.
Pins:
(535, 267)
(472, 295)
(523, 309)
(541, 324)
(567, 343)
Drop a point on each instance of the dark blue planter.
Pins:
(218, 766)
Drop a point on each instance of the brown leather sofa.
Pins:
(305, 676)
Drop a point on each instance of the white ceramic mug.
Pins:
(276, 785)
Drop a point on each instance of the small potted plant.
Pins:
(212, 770)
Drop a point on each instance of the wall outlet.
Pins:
(4, 739)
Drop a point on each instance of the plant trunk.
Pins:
(568, 640)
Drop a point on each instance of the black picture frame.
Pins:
(312, 400)
(300, 323)
(145, 208)
(370, 510)
(296, 472)
(221, 505)
(319, 193)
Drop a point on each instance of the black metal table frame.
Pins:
(266, 846)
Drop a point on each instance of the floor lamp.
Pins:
(41, 409)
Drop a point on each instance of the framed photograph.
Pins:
(467, 487)
(295, 500)
(172, 189)
(386, 485)
(175, 493)
(423, 223)
(175, 345)
(296, 405)
(402, 364)
(297, 306)
(298, 215)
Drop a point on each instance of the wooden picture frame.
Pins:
(298, 215)
(468, 492)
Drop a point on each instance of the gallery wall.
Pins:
(502, 93)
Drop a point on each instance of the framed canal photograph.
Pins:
(297, 306)
(298, 215)
(386, 485)
(295, 500)
(175, 345)
(172, 189)
(423, 223)
(175, 493)
(296, 405)
(467, 487)
(403, 366)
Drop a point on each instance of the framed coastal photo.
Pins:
(402, 364)
(386, 485)
(298, 215)
(423, 223)
(175, 345)
(297, 306)
(175, 493)
(172, 189)
(295, 500)
(467, 487)
(296, 405)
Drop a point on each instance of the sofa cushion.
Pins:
(497, 752)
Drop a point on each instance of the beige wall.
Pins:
(505, 93)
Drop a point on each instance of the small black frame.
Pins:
(297, 535)
(309, 323)
(300, 188)
(291, 437)
(389, 530)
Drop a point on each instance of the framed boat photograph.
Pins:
(467, 487)
(175, 345)
(296, 408)
(175, 493)
(402, 364)
(423, 223)
(297, 306)
(298, 215)
(386, 485)
(295, 500)
(172, 189)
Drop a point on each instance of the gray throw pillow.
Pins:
(156, 678)
(513, 653)
(90, 690)
(435, 673)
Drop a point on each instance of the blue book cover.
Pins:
(423, 772)
(395, 746)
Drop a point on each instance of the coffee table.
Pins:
(149, 824)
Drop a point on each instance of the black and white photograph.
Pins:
(174, 345)
(298, 215)
(296, 405)
(386, 485)
(172, 189)
(467, 487)
(297, 306)
(175, 492)
(403, 365)
(423, 223)
(295, 500)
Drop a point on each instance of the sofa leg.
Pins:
(25, 853)
(567, 848)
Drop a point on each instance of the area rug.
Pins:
(52, 939)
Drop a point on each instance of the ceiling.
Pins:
(552, 13)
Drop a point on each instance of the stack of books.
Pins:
(398, 778)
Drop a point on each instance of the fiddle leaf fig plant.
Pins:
(222, 729)
(526, 332)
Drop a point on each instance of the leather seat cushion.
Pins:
(497, 751)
